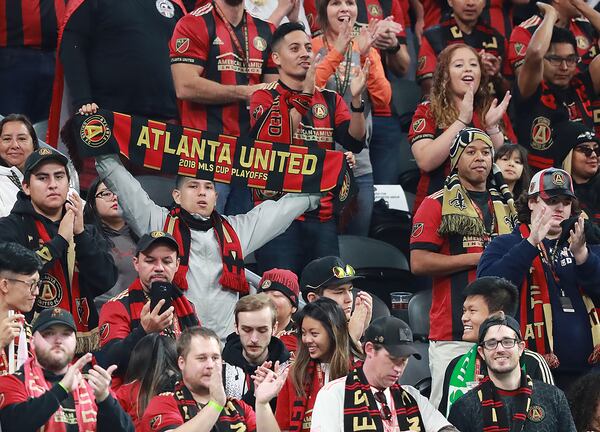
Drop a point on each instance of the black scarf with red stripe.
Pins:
(495, 417)
(231, 418)
(360, 407)
(184, 310)
(179, 222)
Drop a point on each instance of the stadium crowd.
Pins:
(122, 313)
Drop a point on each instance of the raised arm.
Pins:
(531, 72)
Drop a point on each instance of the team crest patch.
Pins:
(104, 331)
(157, 234)
(536, 414)
(417, 229)
(259, 43)
(258, 111)
(375, 10)
(266, 284)
(83, 310)
(418, 125)
(165, 8)
(541, 134)
(345, 189)
(182, 45)
(558, 179)
(582, 43)
(51, 292)
(520, 48)
(44, 152)
(319, 111)
(94, 131)
(422, 63)
(155, 422)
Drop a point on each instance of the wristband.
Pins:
(63, 387)
(491, 132)
(466, 124)
(360, 109)
(393, 50)
(216, 406)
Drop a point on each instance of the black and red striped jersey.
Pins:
(202, 38)
(30, 23)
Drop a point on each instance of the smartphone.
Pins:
(160, 290)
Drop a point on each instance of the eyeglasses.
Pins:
(338, 273)
(507, 343)
(33, 285)
(106, 195)
(385, 411)
(588, 151)
(555, 60)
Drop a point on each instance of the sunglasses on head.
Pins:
(338, 273)
(588, 151)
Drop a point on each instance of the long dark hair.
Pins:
(25, 120)
(153, 362)
(522, 184)
(584, 398)
(333, 319)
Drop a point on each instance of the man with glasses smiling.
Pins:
(19, 284)
(558, 273)
(549, 88)
(508, 399)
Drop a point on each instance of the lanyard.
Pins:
(244, 53)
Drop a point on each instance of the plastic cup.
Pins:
(400, 300)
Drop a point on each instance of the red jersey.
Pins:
(321, 126)
(424, 126)
(163, 414)
(127, 396)
(436, 38)
(447, 301)
(585, 34)
(30, 23)
(229, 55)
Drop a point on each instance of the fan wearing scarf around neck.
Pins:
(138, 311)
(484, 297)
(508, 400)
(553, 256)
(369, 397)
(212, 247)
(451, 228)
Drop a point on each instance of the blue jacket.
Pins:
(510, 256)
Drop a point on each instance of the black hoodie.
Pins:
(97, 271)
(232, 354)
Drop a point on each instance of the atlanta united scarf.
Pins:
(301, 404)
(85, 407)
(231, 418)
(495, 417)
(173, 149)
(63, 275)
(186, 315)
(22, 352)
(361, 411)
(536, 311)
(233, 277)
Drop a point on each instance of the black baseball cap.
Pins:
(550, 183)
(154, 237)
(50, 317)
(41, 155)
(325, 272)
(395, 336)
(568, 135)
(501, 319)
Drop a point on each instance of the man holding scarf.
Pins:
(129, 316)
(508, 399)
(450, 231)
(558, 273)
(370, 398)
(77, 266)
(49, 393)
(212, 247)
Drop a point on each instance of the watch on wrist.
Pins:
(393, 50)
(360, 109)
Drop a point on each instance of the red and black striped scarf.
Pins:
(231, 418)
(315, 380)
(184, 310)
(536, 312)
(233, 277)
(495, 417)
(361, 411)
